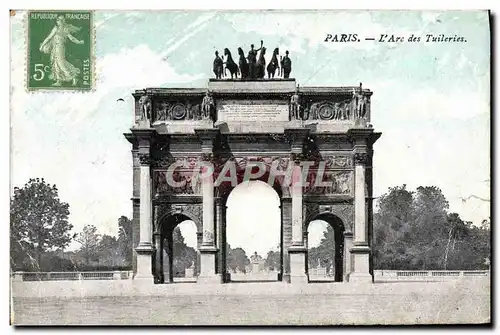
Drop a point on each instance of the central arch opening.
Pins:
(253, 233)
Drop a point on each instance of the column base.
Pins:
(360, 273)
(298, 273)
(300, 279)
(214, 279)
(207, 265)
(144, 262)
(360, 278)
(286, 278)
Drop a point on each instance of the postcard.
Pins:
(250, 167)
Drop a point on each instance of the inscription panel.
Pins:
(244, 110)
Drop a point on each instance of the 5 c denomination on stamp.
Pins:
(60, 50)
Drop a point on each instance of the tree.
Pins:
(392, 226)
(108, 251)
(38, 222)
(125, 241)
(457, 229)
(184, 256)
(414, 231)
(89, 240)
(237, 259)
(273, 260)
(324, 252)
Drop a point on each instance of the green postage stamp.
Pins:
(60, 50)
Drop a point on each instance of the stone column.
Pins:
(145, 248)
(199, 240)
(170, 256)
(297, 235)
(286, 226)
(297, 250)
(220, 233)
(306, 246)
(360, 250)
(158, 258)
(208, 247)
(347, 255)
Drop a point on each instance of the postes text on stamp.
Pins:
(60, 50)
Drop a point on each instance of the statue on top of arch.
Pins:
(254, 65)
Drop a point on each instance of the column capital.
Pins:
(144, 158)
(296, 137)
(360, 158)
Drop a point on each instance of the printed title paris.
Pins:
(394, 38)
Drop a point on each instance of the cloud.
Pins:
(74, 139)
(312, 28)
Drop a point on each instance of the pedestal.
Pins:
(144, 262)
(298, 273)
(207, 266)
(361, 272)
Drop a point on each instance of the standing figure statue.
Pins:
(230, 64)
(207, 106)
(295, 105)
(314, 111)
(55, 45)
(345, 111)
(243, 64)
(286, 65)
(261, 64)
(273, 64)
(218, 66)
(252, 60)
(145, 104)
(360, 103)
(336, 111)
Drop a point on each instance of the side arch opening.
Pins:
(325, 248)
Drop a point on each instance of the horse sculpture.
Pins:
(261, 64)
(243, 64)
(230, 64)
(273, 64)
(218, 66)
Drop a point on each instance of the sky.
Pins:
(430, 101)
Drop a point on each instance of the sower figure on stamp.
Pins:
(295, 105)
(252, 60)
(207, 106)
(54, 44)
(218, 66)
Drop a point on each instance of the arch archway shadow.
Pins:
(331, 267)
(175, 262)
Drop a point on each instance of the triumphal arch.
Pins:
(192, 146)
